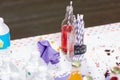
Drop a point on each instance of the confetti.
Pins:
(115, 70)
(87, 78)
(76, 64)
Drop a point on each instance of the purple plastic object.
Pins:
(47, 52)
(63, 77)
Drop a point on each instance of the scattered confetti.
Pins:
(29, 73)
(52, 42)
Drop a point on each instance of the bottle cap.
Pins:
(1, 20)
(71, 7)
(71, 3)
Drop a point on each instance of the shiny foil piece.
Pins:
(87, 78)
(115, 70)
(76, 63)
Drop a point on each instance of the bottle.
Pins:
(4, 50)
(67, 31)
(4, 36)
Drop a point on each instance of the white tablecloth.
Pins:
(95, 62)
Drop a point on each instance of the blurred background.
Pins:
(27, 18)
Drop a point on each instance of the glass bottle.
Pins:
(67, 31)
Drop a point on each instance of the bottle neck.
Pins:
(68, 20)
(3, 29)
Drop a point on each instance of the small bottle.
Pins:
(4, 50)
(4, 36)
(67, 32)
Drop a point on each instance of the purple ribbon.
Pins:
(47, 53)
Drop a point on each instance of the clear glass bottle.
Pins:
(67, 31)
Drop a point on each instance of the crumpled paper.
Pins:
(8, 71)
(36, 68)
(47, 53)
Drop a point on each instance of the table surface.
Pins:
(95, 62)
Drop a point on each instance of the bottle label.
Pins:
(79, 49)
(5, 41)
